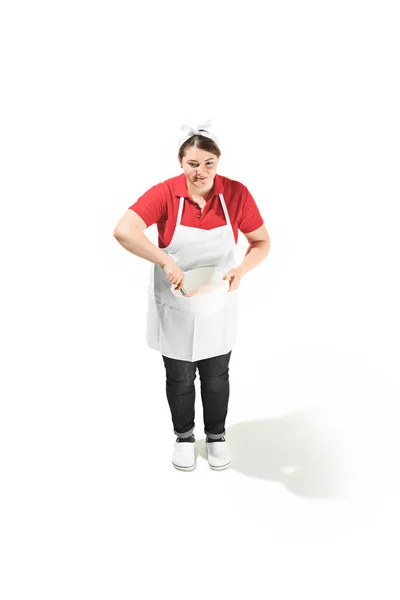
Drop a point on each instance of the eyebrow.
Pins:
(192, 160)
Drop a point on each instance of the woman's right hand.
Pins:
(175, 275)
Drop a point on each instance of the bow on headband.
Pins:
(202, 129)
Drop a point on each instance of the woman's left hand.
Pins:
(235, 276)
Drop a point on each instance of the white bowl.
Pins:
(209, 301)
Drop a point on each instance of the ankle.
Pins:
(220, 439)
(188, 439)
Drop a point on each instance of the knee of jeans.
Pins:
(183, 383)
(215, 381)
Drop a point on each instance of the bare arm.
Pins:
(259, 245)
(129, 233)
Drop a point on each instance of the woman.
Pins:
(198, 215)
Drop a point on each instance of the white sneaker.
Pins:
(184, 456)
(218, 454)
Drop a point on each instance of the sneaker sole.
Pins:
(180, 468)
(184, 468)
(221, 467)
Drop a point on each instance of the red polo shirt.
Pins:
(160, 204)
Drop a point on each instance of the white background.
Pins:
(304, 99)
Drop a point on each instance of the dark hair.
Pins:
(202, 142)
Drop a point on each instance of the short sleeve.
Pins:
(152, 205)
(250, 218)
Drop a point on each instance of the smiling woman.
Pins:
(198, 214)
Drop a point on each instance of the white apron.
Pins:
(170, 329)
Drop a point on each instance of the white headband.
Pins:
(202, 129)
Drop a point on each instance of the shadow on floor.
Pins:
(301, 450)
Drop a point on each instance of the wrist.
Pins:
(166, 260)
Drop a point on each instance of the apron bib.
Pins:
(170, 329)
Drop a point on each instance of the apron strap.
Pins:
(180, 211)
(228, 221)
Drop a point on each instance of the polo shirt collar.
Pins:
(180, 187)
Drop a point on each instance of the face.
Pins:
(199, 167)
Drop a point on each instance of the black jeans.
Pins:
(214, 378)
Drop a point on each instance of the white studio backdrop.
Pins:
(304, 100)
